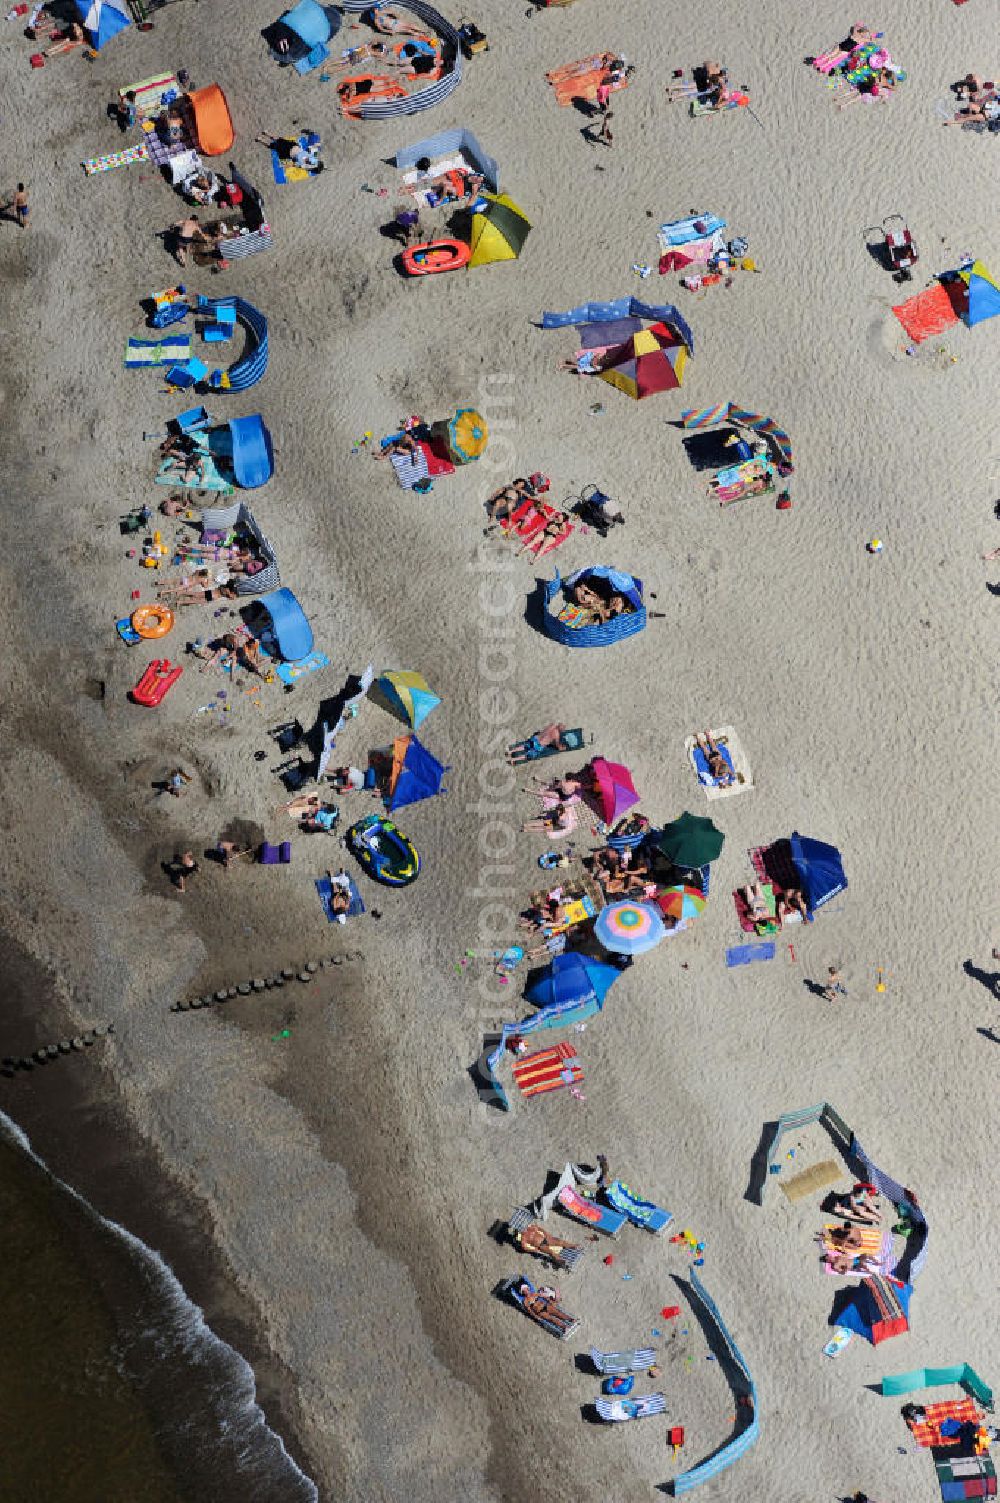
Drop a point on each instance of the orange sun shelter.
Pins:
(213, 126)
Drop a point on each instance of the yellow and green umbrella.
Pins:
(468, 435)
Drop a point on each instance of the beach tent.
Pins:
(691, 841)
(292, 632)
(407, 695)
(615, 789)
(102, 20)
(604, 324)
(573, 980)
(302, 34)
(649, 361)
(696, 418)
(498, 231)
(415, 773)
(876, 1309)
(983, 294)
(213, 126)
(253, 456)
(450, 143)
(820, 869)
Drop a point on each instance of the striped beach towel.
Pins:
(634, 1360)
(112, 159)
(237, 247)
(548, 1070)
(149, 93)
(140, 352)
(889, 1318)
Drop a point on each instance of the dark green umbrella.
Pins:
(692, 840)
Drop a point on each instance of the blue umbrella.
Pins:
(820, 868)
(101, 20)
(573, 980)
(629, 928)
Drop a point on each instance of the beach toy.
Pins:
(152, 621)
(875, 545)
(879, 983)
(670, 1311)
(675, 1438)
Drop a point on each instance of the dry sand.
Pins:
(351, 1173)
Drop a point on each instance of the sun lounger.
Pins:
(827, 61)
(615, 1411)
(325, 887)
(521, 1220)
(631, 1360)
(640, 1212)
(597, 1217)
(522, 1292)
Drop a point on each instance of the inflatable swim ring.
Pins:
(436, 255)
(152, 621)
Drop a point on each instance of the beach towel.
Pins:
(631, 1360)
(929, 1433)
(288, 172)
(141, 352)
(325, 887)
(112, 159)
(888, 1310)
(409, 468)
(747, 924)
(548, 1070)
(745, 954)
(927, 314)
(211, 479)
(580, 80)
(289, 672)
(874, 1256)
(151, 93)
(726, 740)
(827, 61)
(966, 1476)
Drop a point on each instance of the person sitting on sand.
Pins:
(181, 869)
(859, 1205)
(406, 225)
(535, 1239)
(224, 653)
(791, 901)
(718, 767)
(528, 750)
(228, 852)
(323, 817)
(73, 36)
(186, 234)
(347, 779)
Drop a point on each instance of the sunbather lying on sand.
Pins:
(504, 502)
(551, 535)
(717, 764)
(340, 891)
(709, 83)
(586, 363)
(526, 751)
(196, 589)
(844, 1246)
(757, 906)
(559, 820)
(73, 36)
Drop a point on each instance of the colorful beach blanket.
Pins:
(548, 1070)
(141, 352)
(929, 1433)
(288, 172)
(150, 92)
(112, 159)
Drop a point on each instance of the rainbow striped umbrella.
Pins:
(629, 928)
(681, 902)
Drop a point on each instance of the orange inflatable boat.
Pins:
(436, 255)
(355, 93)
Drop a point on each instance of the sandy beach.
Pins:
(329, 1140)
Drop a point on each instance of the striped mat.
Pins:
(236, 247)
(548, 1070)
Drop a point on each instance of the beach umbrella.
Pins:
(692, 840)
(407, 694)
(102, 20)
(820, 869)
(467, 435)
(573, 980)
(651, 360)
(615, 789)
(629, 928)
(498, 231)
(681, 902)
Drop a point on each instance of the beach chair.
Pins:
(521, 1220)
(597, 1217)
(631, 1360)
(641, 1213)
(544, 1312)
(616, 1411)
(186, 373)
(275, 855)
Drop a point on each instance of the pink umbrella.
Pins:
(615, 789)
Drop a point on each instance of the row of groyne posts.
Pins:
(11, 1065)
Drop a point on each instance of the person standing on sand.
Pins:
(19, 204)
(182, 868)
(834, 985)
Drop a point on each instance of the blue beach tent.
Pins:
(573, 980)
(416, 774)
(253, 456)
(308, 27)
(292, 631)
(101, 20)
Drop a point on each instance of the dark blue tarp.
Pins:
(820, 868)
(421, 776)
(623, 307)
